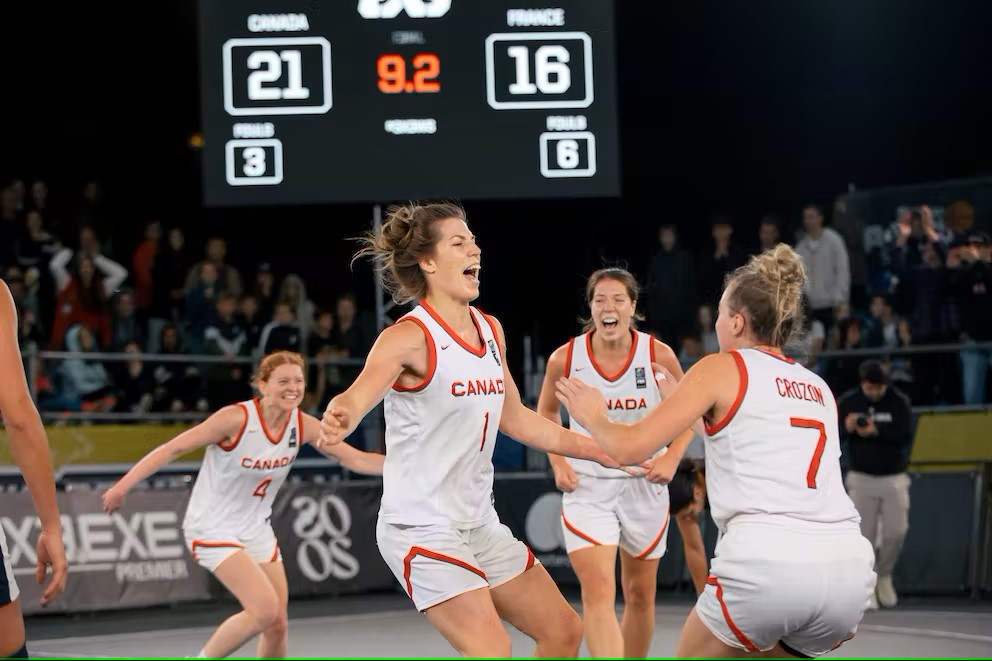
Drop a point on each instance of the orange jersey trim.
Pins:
(229, 445)
(744, 640)
(741, 391)
(431, 359)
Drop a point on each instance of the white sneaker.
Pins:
(873, 602)
(886, 592)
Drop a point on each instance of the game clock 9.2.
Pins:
(377, 100)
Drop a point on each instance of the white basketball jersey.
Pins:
(239, 479)
(630, 393)
(775, 455)
(440, 434)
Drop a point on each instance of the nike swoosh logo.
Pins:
(579, 369)
(444, 346)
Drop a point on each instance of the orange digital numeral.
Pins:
(262, 487)
(392, 73)
(814, 464)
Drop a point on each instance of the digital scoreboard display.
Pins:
(321, 101)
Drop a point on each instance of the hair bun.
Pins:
(791, 271)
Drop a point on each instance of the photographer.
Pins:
(875, 420)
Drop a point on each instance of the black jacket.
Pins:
(888, 452)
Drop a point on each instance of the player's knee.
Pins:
(266, 612)
(565, 632)
(280, 625)
(492, 643)
(598, 589)
(638, 595)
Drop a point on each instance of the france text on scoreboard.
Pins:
(317, 101)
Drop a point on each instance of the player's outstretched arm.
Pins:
(400, 348)
(222, 427)
(531, 428)
(693, 398)
(355, 460)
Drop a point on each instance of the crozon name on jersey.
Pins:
(626, 404)
(477, 387)
(265, 464)
(799, 390)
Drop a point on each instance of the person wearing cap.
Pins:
(875, 422)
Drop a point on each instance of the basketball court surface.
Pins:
(387, 626)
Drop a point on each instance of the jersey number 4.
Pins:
(262, 487)
(814, 464)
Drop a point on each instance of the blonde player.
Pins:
(29, 446)
(792, 573)
(251, 447)
(606, 508)
(442, 371)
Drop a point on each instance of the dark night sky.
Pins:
(742, 107)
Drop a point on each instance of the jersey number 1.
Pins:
(262, 487)
(814, 464)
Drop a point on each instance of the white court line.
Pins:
(157, 633)
(73, 569)
(926, 633)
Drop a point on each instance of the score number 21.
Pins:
(392, 73)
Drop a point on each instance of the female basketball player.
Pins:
(442, 371)
(29, 447)
(603, 508)
(251, 447)
(792, 574)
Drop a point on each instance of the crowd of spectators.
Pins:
(926, 286)
(78, 290)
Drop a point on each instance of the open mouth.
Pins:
(610, 322)
(290, 396)
(472, 273)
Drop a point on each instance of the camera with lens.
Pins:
(862, 421)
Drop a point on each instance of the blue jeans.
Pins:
(974, 370)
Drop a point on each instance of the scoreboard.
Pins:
(320, 101)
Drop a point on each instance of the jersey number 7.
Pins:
(814, 464)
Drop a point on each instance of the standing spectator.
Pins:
(282, 333)
(172, 262)
(876, 421)
(769, 233)
(82, 295)
(851, 231)
(827, 266)
(228, 277)
(324, 379)
(201, 305)
(883, 323)
(143, 265)
(265, 291)
(294, 291)
(721, 259)
(970, 276)
(670, 288)
(227, 382)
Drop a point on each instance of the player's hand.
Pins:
(113, 498)
(661, 469)
(585, 403)
(666, 382)
(333, 427)
(51, 553)
(566, 479)
(850, 422)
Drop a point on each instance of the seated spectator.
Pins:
(883, 323)
(86, 379)
(691, 351)
(706, 329)
(227, 277)
(178, 386)
(126, 326)
(324, 379)
(251, 318)
(135, 383)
